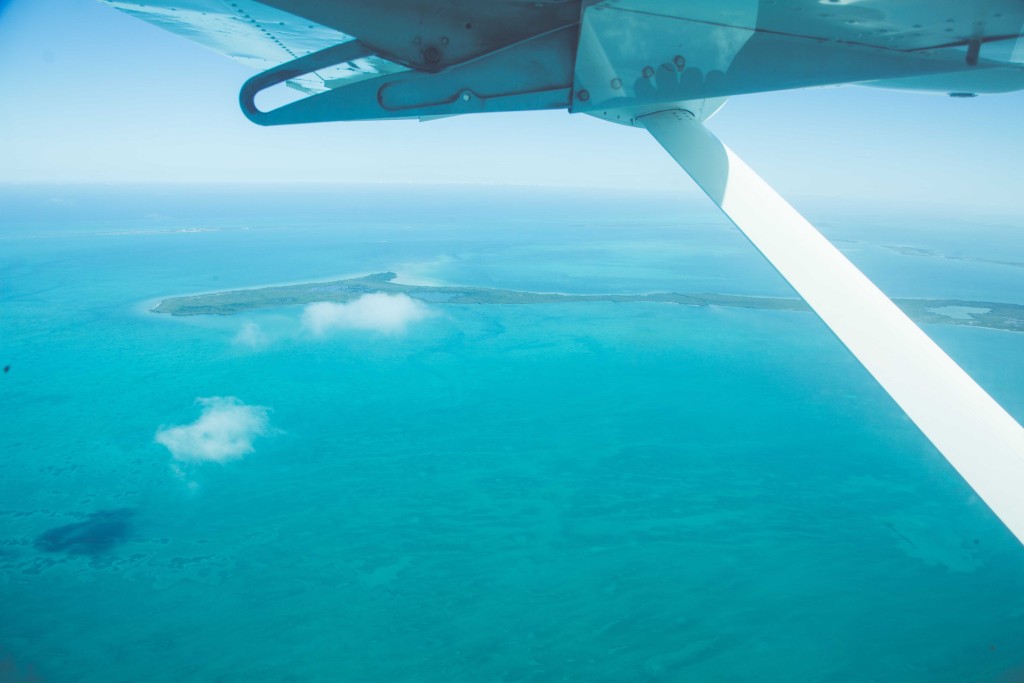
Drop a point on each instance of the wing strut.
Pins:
(980, 439)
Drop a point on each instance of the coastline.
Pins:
(990, 315)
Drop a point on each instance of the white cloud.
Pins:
(387, 313)
(251, 335)
(224, 431)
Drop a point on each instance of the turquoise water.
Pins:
(595, 492)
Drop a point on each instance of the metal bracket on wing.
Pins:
(974, 433)
(336, 54)
(536, 73)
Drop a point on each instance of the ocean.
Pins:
(588, 491)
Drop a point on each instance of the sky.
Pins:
(92, 95)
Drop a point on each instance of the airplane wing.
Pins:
(664, 65)
(258, 36)
(598, 56)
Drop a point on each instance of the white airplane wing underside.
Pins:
(259, 36)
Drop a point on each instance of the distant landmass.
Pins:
(993, 315)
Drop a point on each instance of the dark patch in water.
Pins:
(12, 671)
(96, 535)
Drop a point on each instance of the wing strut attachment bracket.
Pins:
(328, 57)
(535, 73)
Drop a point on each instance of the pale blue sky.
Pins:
(90, 94)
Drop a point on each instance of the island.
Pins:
(993, 315)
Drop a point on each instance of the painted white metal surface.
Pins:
(646, 55)
(980, 439)
(898, 25)
(256, 35)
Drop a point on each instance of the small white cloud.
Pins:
(387, 313)
(224, 431)
(251, 335)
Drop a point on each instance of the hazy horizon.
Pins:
(145, 105)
